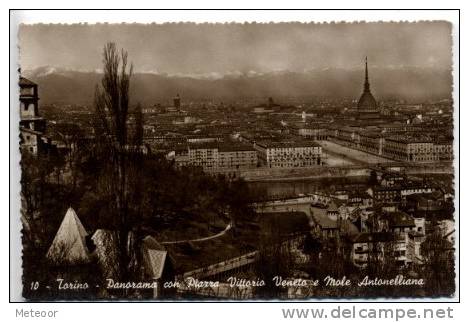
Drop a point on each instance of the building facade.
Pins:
(417, 148)
(221, 156)
(32, 125)
(289, 154)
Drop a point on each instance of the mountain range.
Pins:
(62, 86)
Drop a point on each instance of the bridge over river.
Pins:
(355, 170)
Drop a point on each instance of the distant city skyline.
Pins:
(216, 50)
(239, 162)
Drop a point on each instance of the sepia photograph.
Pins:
(282, 161)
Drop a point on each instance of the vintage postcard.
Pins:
(237, 161)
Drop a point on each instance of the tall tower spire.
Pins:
(367, 102)
(366, 86)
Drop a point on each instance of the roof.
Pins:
(387, 188)
(221, 146)
(424, 197)
(400, 219)
(411, 138)
(323, 221)
(416, 233)
(203, 145)
(28, 130)
(348, 228)
(26, 82)
(151, 243)
(228, 147)
(154, 261)
(393, 175)
(288, 144)
(333, 206)
(359, 194)
(69, 244)
(367, 101)
(374, 237)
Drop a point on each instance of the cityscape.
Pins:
(242, 190)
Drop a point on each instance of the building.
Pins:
(367, 106)
(236, 156)
(346, 135)
(443, 150)
(204, 155)
(398, 192)
(180, 157)
(333, 210)
(221, 156)
(392, 178)
(412, 148)
(416, 187)
(418, 148)
(323, 226)
(177, 102)
(315, 131)
(408, 234)
(285, 154)
(32, 125)
(360, 199)
(371, 141)
(398, 222)
(370, 247)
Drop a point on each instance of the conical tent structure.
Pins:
(69, 245)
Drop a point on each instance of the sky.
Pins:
(220, 49)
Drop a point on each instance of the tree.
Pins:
(373, 178)
(111, 131)
(438, 268)
(138, 130)
(71, 134)
(38, 174)
(275, 259)
(239, 199)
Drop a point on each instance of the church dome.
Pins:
(367, 102)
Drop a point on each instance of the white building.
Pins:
(289, 154)
(219, 156)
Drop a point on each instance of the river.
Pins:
(293, 187)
